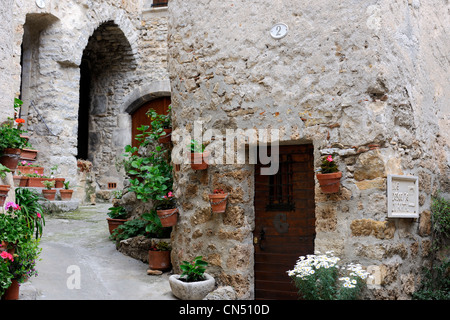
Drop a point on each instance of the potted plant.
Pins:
(48, 192)
(25, 167)
(329, 176)
(66, 193)
(320, 277)
(31, 209)
(27, 152)
(116, 217)
(199, 158)
(159, 256)
(218, 201)
(194, 283)
(166, 210)
(11, 144)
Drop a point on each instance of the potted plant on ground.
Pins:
(116, 217)
(166, 210)
(194, 283)
(66, 193)
(329, 176)
(159, 256)
(199, 158)
(218, 201)
(48, 192)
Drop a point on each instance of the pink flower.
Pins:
(6, 255)
(329, 158)
(170, 194)
(38, 214)
(35, 171)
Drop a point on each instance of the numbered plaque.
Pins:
(279, 30)
(403, 196)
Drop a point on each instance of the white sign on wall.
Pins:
(403, 196)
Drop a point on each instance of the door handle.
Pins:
(260, 239)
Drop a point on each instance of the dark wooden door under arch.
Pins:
(139, 117)
(284, 221)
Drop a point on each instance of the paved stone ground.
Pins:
(76, 243)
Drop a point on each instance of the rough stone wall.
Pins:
(8, 79)
(55, 38)
(361, 79)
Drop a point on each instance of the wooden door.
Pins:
(284, 221)
(139, 117)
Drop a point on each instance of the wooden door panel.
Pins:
(285, 212)
(139, 117)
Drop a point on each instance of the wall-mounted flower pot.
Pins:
(31, 170)
(49, 194)
(65, 194)
(168, 217)
(167, 137)
(218, 202)
(59, 182)
(28, 154)
(329, 182)
(10, 158)
(199, 161)
(114, 223)
(159, 260)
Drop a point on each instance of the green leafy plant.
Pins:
(48, 184)
(328, 165)
(3, 171)
(319, 277)
(66, 185)
(161, 246)
(118, 212)
(153, 227)
(129, 229)
(193, 271)
(436, 283)
(31, 209)
(196, 147)
(24, 265)
(14, 228)
(10, 137)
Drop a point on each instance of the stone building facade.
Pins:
(367, 81)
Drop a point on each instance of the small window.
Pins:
(160, 3)
(112, 185)
(281, 187)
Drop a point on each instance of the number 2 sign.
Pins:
(279, 30)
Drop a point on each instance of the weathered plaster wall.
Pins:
(362, 79)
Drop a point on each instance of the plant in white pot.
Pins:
(194, 283)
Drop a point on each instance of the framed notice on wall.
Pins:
(403, 196)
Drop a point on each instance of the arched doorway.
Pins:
(107, 72)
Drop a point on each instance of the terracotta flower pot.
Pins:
(65, 194)
(59, 182)
(168, 217)
(27, 169)
(10, 158)
(159, 260)
(329, 182)
(218, 202)
(28, 154)
(114, 223)
(12, 293)
(35, 182)
(49, 194)
(167, 137)
(199, 161)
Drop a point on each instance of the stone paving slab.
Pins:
(75, 245)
